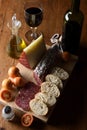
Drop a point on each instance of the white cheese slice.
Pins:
(35, 51)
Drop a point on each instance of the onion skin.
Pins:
(13, 72)
(15, 77)
(18, 81)
(7, 84)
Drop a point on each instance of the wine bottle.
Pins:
(72, 28)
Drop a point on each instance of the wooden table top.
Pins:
(70, 112)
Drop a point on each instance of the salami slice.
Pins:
(23, 60)
(26, 94)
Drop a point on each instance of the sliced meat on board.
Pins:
(23, 60)
(25, 94)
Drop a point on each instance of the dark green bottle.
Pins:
(72, 28)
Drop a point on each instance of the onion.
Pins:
(13, 72)
(18, 81)
(7, 84)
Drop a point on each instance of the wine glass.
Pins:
(33, 15)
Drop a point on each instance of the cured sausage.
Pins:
(49, 60)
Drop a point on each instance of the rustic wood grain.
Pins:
(71, 111)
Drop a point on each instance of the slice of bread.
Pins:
(50, 88)
(46, 98)
(54, 79)
(38, 107)
(60, 72)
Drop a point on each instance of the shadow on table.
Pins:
(70, 105)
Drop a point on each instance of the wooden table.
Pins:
(70, 112)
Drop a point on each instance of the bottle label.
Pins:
(71, 37)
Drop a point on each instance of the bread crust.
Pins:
(46, 98)
(38, 107)
(54, 79)
(60, 72)
(50, 88)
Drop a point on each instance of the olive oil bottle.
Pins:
(16, 44)
(72, 28)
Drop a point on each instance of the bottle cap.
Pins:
(14, 25)
(8, 113)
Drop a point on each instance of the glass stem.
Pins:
(34, 32)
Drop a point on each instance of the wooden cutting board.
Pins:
(28, 75)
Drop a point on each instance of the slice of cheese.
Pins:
(35, 51)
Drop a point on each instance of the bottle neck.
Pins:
(15, 31)
(75, 5)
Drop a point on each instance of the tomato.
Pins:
(6, 95)
(27, 119)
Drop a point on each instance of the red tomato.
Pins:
(6, 95)
(26, 119)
